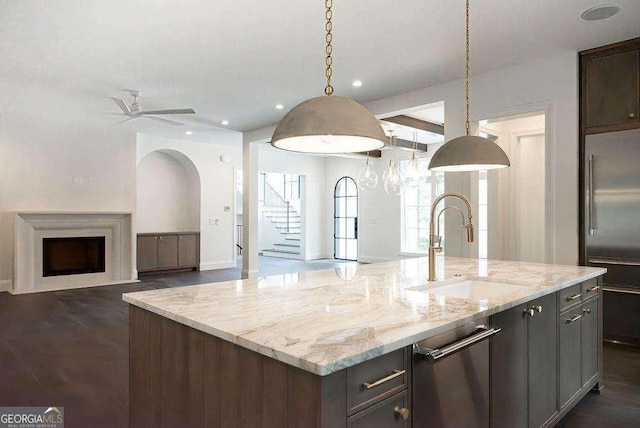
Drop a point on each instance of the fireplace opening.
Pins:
(73, 256)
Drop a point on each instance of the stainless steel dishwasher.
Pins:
(451, 378)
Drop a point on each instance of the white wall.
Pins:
(313, 201)
(168, 195)
(378, 212)
(58, 153)
(550, 84)
(217, 180)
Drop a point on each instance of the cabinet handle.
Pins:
(531, 312)
(539, 308)
(632, 115)
(179, 236)
(161, 238)
(393, 375)
(593, 288)
(435, 355)
(401, 412)
(591, 192)
(574, 297)
(155, 238)
(573, 318)
(586, 311)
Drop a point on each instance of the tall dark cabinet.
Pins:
(609, 180)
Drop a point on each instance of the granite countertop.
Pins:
(324, 321)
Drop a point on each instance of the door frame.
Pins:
(357, 196)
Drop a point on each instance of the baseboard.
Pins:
(319, 256)
(6, 285)
(218, 265)
(75, 287)
(374, 259)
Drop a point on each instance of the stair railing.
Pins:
(272, 199)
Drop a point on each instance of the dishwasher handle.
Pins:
(434, 355)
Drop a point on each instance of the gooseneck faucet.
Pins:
(435, 244)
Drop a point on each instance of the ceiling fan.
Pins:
(135, 112)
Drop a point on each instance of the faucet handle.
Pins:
(469, 227)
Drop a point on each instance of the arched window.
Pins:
(345, 219)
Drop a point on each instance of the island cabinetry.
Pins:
(159, 252)
(180, 376)
(524, 364)
(580, 338)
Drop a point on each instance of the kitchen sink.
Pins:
(472, 289)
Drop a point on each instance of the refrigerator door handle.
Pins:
(591, 227)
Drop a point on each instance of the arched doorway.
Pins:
(168, 193)
(345, 219)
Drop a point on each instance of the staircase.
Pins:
(285, 219)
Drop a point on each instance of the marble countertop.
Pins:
(324, 321)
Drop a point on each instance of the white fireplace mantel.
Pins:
(32, 227)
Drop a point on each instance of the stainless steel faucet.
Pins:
(435, 239)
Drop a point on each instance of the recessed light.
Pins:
(189, 132)
(224, 123)
(357, 83)
(279, 106)
(600, 12)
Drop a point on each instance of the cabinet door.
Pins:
(612, 89)
(385, 414)
(147, 253)
(543, 369)
(509, 369)
(187, 250)
(167, 251)
(589, 340)
(570, 353)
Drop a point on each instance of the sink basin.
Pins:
(475, 290)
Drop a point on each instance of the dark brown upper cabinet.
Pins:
(611, 87)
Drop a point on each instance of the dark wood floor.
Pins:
(70, 348)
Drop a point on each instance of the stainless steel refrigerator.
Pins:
(612, 227)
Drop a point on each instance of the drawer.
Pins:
(570, 296)
(386, 414)
(376, 380)
(590, 288)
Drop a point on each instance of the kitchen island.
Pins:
(368, 345)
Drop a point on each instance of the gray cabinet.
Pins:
(590, 340)
(611, 88)
(524, 365)
(386, 414)
(570, 353)
(542, 367)
(188, 250)
(147, 252)
(159, 252)
(167, 251)
(509, 358)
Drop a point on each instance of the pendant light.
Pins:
(391, 176)
(412, 172)
(367, 177)
(328, 124)
(468, 153)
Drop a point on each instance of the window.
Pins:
(416, 204)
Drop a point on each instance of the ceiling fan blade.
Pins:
(167, 121)
(123, 106)
(173, 111)
(123, 121)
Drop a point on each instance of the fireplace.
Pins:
(73, 255)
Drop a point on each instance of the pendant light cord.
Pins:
(328, 90)
(466, 82)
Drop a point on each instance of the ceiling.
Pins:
(235, 60)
